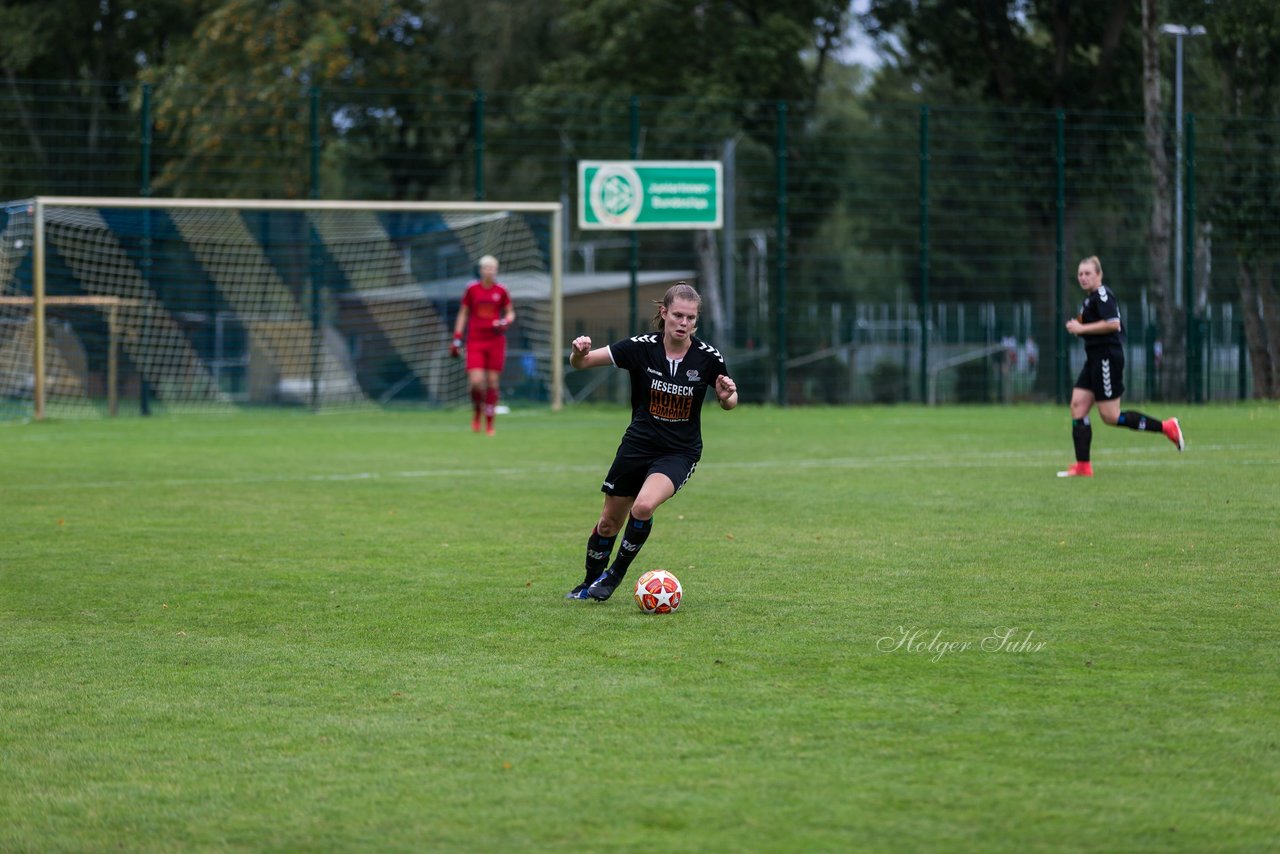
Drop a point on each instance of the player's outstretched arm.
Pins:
(1098, 327)
(726, 392)
(582, 356)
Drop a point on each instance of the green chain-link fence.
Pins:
(884, 253)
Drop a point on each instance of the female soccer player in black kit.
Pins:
(1102, 380)
(670, 374)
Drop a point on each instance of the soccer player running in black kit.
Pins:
(1102, 380)
(670, 374)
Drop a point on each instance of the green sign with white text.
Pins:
(650, 194)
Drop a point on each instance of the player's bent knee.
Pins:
(645, 507)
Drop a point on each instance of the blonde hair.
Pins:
(680, 290)
(1097, 264)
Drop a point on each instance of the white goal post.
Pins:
(215, 302)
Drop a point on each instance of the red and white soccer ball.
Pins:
(658, 592)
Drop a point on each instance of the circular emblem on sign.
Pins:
(616, 195)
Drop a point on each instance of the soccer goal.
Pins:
(196, 303)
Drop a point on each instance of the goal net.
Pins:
(109, 304)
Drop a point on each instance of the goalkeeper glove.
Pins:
(456, 347)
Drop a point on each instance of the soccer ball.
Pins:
(658, 592)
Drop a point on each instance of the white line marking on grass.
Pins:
(941, 460)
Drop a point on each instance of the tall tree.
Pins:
(93, 40)
(1159, 231)
(1029, 55)
(86, 54)
(706, 66)
(1244, 202)
(740, 49)
(389, 72)
(1018, 53)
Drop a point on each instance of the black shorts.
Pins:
(632, 466)
(1103, 373)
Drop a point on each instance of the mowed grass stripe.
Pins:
(238, 639)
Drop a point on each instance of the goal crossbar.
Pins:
(40, 300)
(290, 204)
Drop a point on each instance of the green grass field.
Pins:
(334, 632)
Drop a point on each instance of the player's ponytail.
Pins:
(680, 290)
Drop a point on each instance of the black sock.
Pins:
(1082, 435)
(1135, 420)
(599, 548)
(633, 537)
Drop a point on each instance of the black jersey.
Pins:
(667, 395)
(1101, 305)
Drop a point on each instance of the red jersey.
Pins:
(485, 306)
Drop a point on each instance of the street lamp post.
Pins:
(1179, 33)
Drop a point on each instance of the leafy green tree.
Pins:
(1019, 53)
(92, 40)
(708, 73)
(1010, 65)
(1160, 226)
(1242, 176)
(391, 76)
(1084, 57)
(85, 55)
(737, 49)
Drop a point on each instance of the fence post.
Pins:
(1059, 261)
(633, 109)
(477, 118)
(144, 190)
(313, 132)
(1189, 263)
(1149, 335)
(317, 331)
(1242, 360)
(924, 254)
(1206, 339)
(780, 168)
(144, 130)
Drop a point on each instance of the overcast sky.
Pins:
(860, 51)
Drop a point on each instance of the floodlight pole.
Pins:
(1179, 32)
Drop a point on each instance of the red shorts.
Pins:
(487, 355)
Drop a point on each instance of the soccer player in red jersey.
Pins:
(486, 314)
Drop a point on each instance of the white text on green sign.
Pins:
(650, 194)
